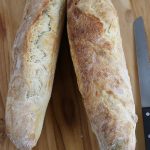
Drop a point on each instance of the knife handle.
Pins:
(146, 122)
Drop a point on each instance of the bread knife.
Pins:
(144, 75)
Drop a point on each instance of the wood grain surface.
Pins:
(66, 126)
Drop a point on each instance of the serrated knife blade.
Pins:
(144, 75)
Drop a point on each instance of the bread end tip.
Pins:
(22, 144)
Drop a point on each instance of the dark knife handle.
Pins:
(146, 122)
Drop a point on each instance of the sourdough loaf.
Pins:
(102, 75)
(34, 58)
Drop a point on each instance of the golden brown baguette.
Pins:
(34, 60)
(101, 71)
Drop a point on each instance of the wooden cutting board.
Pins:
(66, 126)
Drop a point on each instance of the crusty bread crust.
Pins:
(34, 58)
(102, 76)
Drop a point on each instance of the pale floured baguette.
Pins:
(101, 71)
(34, 60)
